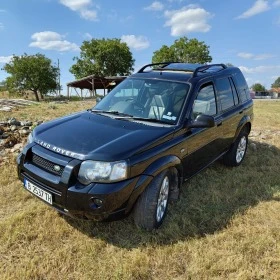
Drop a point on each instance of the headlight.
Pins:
(30, 138)
(98, 171)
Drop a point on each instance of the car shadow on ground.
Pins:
(207, 204)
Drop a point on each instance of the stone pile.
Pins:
(13, 134)
(7, 105)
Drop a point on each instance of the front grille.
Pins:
(47, 165)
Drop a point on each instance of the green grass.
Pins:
(225, 226)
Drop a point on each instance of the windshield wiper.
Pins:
(149, 120)
(117, 113)
(127, 116)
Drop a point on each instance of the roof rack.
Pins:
(195, 71)
(164, 64)
(204, 68)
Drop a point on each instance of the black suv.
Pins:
(137, 146)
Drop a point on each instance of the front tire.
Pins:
(237, 152)
(151, 207)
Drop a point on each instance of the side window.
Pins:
(225, 93)
(235, 96)
(205, 102)
(242, 87)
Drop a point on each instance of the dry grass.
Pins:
(225, 226)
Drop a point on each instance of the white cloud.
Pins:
(49, 40)
(136, 42)
(155, 6)
(5, 59)
(87, 36)
(89, 14)
(83, 7)
(262, 56)
(259, 6)
(260, 69)
(187, 19)
(245, 55)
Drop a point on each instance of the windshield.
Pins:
(146, 99)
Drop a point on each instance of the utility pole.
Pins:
(59, 87)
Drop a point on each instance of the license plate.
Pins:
(46, 196)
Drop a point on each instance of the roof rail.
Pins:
(206, 67)
(154, 64)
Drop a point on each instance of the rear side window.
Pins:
(242, 86)
(235, 96)
(225, 93)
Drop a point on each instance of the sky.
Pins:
(244, 33)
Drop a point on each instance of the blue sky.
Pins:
(242, 32)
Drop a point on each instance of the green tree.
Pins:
(31, 73)
(103, 57)
(276, 83)
(184, 50)
(258, 87)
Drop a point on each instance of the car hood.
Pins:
(88, 135)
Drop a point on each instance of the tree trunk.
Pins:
(36, 95)
(42, 96)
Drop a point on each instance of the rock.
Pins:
(253, 146)
(10, 141)
(3, 123)
(4, 135)
(6, 108)
(37, 123)
(26, 123)
(17, 147)
(1, 130)
(13, 128)
(24, 131)
(13, 121)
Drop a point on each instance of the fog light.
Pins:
(96, 203)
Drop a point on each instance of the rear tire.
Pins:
(151, 207)
(237, 152)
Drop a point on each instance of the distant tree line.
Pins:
(99, 57)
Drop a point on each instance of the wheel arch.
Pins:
(245, 123)
(170, 162)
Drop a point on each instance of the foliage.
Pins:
(258, 87)
(31, 73)
(276, 83)
(184, 50)
(103, 57)
(229, 64)
(3, 86)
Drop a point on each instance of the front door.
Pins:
(203, 145)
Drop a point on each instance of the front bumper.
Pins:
(97, 201)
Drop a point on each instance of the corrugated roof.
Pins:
(99, 82)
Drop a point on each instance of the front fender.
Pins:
(164, 163)
(151, 171)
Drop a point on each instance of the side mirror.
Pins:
(202, 121)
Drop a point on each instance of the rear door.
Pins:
(228, 106)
